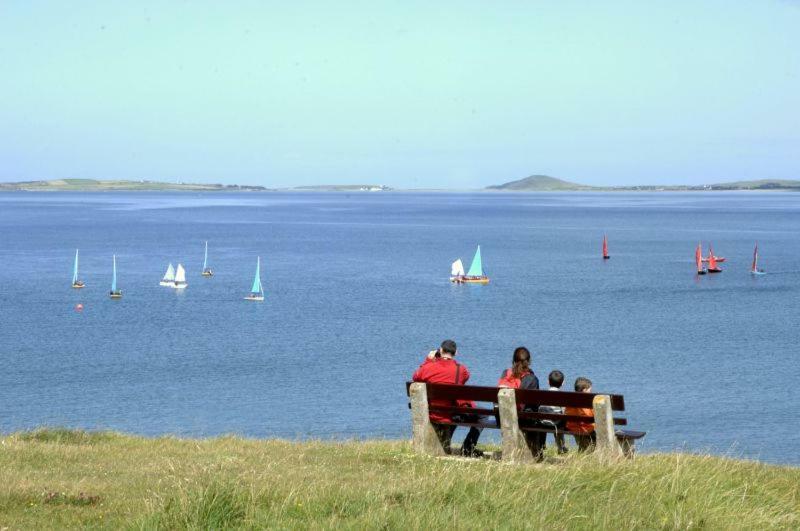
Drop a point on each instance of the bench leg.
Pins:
(517, 448)
(425, 438)
(607, 446)
(628, 447)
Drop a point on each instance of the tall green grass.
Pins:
(57, 480)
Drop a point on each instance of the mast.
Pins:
(205, 258)
(605, 247)
(755, 259)
(712, 260)
(114, 276)
(75, 268)
(476, 268)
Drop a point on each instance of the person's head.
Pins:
(448, 348)
(521, 362)
(556, 379)
(583, 385)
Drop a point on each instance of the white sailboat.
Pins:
(207, 271)
(457, 271)
(169, 277)
(180, 278)
(76, 283)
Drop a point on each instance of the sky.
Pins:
(408, 94)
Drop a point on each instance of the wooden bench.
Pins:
(514, 413)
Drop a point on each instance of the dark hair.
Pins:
(448, 345)
(556, 379)
(582, 384)
(521, 362)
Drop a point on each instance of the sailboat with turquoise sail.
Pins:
(207, 271)
(77, 284)
(257, 291)
(114, 293)
(475, 275)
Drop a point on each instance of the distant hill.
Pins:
(92, 185)
(544, 183)
(540, 183)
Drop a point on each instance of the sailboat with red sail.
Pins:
(754, 270)
(605, 248)
(698, 258)
(712, 262)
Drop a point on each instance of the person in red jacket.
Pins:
(440, 366)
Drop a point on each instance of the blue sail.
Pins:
(114, 277)
(476, 269)
(205, 258)
(75, 268)
(257, 281)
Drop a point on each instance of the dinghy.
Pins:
(180, 278)
(114, 293)
(712, 262)
(754, 270)
(605, 248)
(207, 271)
(457, 272)
(257, 291)
(169, 277)
(77, 284)
(698, 258)
(475, 274)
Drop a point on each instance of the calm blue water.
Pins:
(357, 291)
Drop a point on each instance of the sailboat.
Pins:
(712, 262)
(207, 271)
(698, 258)
(754, 270)
(77, 284)
(115, 293)
(180, 278)
(475, 274)
(257, 291)
(169, 277)
(605, 248)
(457, 272)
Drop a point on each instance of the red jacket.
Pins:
(444, 371)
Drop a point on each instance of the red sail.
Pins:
(755, 259)
(712, 260)
(698, 257)
(605, 247)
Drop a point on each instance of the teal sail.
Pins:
(75, 268)
(257, 281)
(205, 258)
(114, 276)
(476, 269)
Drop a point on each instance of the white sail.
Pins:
(169, 276)
(457, 269)
(180, 275)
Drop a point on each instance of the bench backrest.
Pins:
(478, 393)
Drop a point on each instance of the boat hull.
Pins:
(758, 272)
(469, 280)
(78, 285)
(716, 270)
(179, 285)
(166, 283)
(256, 298)
(115, 295)
(208, 273)
(702, 272)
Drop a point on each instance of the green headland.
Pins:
(62, 479)
(545, 183)
(92, 185)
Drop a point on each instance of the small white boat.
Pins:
(457, 271)
(257, 291)
(169, 277)
(180, 278)
(207, 271)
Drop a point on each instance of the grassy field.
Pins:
(65, 479)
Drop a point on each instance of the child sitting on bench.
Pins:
(586, 436)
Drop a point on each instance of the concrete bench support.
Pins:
(424, 440)
(516, 447)
(607, 445)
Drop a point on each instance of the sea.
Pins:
(357, 292)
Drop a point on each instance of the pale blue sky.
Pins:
(409, 94)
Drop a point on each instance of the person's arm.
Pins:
(419, 375)
(464, 375)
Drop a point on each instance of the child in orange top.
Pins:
(587, 437)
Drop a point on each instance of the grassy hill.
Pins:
(92, 185)
(61, 479)
(762, 184)
(539, 183)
